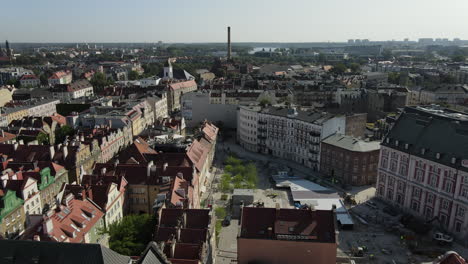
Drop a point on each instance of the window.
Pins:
(428, 213)
(390, 194)
(401, 186)
(419, 175)
(382, 177)
(458, 226)
(391, 181)
(448, 187)
(415, 206)
(461, 212)
(430, 198)
(393, 165)
(403, 170)
(416, 192)
(433, 181)
(384, 163)
(464, 192)
(445, 204)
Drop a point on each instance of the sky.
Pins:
(250, 20)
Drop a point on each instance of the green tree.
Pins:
(133, 75)
(339, 68)
(387, 54)
(394, 77)
(14, 82)
(42, 138)
(264, 102)
(220, 212)
(99, 81)
(355, 67)
(225, 184)
(63, 132)
(130, 235)
(458, 58)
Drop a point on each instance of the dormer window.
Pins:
(396, 143)
(406, 146)
(423, 151)
(454, 160)
(388, 140)
(437, 155)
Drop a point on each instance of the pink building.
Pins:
(423, 167)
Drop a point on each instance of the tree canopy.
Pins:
(131, 235)
(63, 132)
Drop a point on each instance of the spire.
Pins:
(7, 46)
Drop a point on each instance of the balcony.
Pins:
(313, 151)
(261, 137)
(262, 130)
(262, 122)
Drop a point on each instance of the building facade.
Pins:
(269, 235)
(286, 132)
(349, 160)
(423, 167)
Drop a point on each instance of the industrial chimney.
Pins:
(229, 44)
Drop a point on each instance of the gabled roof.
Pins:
(80, 214)
(5, 137)
(139, 151)
(26, 251)
(29, 77)
(351, 143)
(181, 85)
(436, 131)
(153, 255)
(271, 223)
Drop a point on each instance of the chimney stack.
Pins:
(229, 44)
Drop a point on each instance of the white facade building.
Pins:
(286, 132)
(151, 81)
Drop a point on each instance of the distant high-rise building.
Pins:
(406, 40)
(350, 41)
(7, 46)
(229, 44)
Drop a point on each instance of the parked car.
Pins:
(442, 238)
(227, 220)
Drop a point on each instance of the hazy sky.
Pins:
(251, 20)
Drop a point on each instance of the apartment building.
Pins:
(30, 81)
(423, 167)
(60, 77)
(349, 160)
(286, 132)
(274, 235)
(74, 90)
(175, 92)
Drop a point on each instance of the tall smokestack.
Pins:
(229, 44)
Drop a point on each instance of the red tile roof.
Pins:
(59, 74)
(60, 119)
(210, 131)
(184, 251)
(29, 77)
(5, 136)
(181, 85)
(179, 192)
(140, 151)
(270, 223)
(451, 257)
(81, 214)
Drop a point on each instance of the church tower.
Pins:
(168, 71)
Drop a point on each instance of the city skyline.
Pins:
(189, 22)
